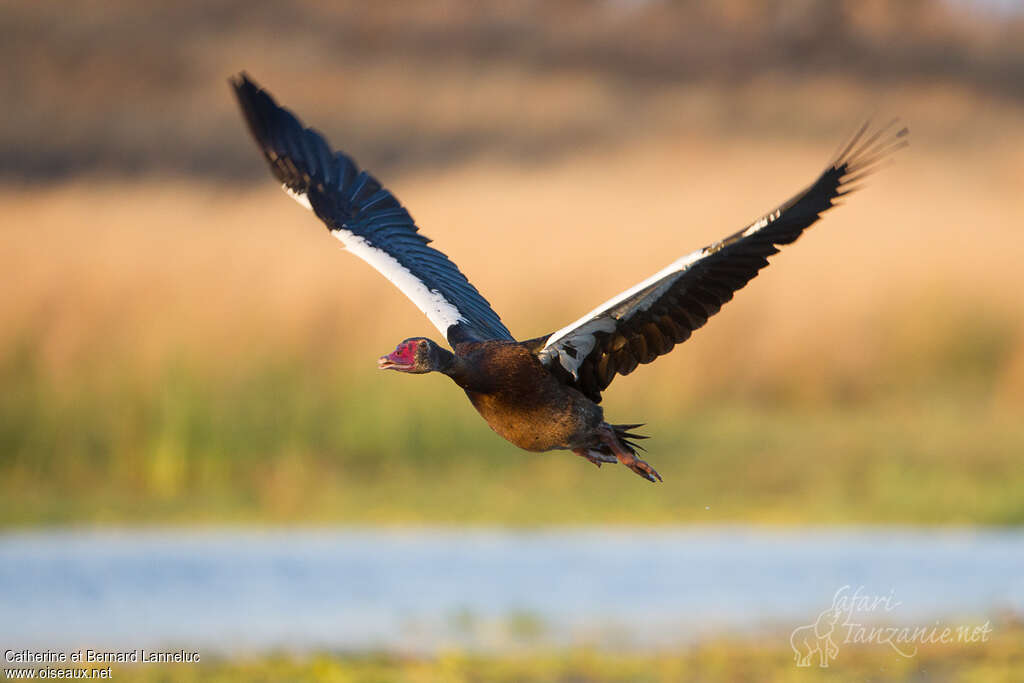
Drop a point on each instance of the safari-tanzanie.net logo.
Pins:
(858, 617)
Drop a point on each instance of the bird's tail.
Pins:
(626, 437)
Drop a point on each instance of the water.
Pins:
(421, 589)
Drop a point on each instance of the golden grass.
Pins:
(151, 268)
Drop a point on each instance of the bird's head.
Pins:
(416, 355)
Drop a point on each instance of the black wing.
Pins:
(367, 218)
(647, 320)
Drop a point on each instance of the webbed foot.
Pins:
(642, 468)
(585, 453)
(627, 456)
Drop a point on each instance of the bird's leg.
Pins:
(626, 456)
(585, 453)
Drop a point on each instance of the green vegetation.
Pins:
(762, 660)
(289, 440)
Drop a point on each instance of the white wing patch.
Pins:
(433, 304)
(438, 310)
(300, 197)
(573, 342)
(762, 223)
(578, 336)
(593, 316)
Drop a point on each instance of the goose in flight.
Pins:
(544, 393)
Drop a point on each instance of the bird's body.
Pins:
(540, 394)
(523, 402)
(527, 407)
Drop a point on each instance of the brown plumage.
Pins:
(520, 400)
(541, 394)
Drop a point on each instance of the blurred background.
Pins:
(188, 361)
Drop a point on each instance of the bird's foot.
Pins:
(585, 453)
(628, 458)
(641, 467)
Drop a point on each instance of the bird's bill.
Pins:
(390, 362)
(402, 358)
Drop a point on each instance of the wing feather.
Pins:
(366, 218)
(649, 319)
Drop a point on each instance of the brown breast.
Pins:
(521, 400)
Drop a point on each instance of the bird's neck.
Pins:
(447, 362)
(456, 368)
(470, 368)
(466, 372)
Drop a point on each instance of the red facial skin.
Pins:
(402, 358)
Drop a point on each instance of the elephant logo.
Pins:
(816, 638)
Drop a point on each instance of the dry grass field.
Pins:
(927, 256)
